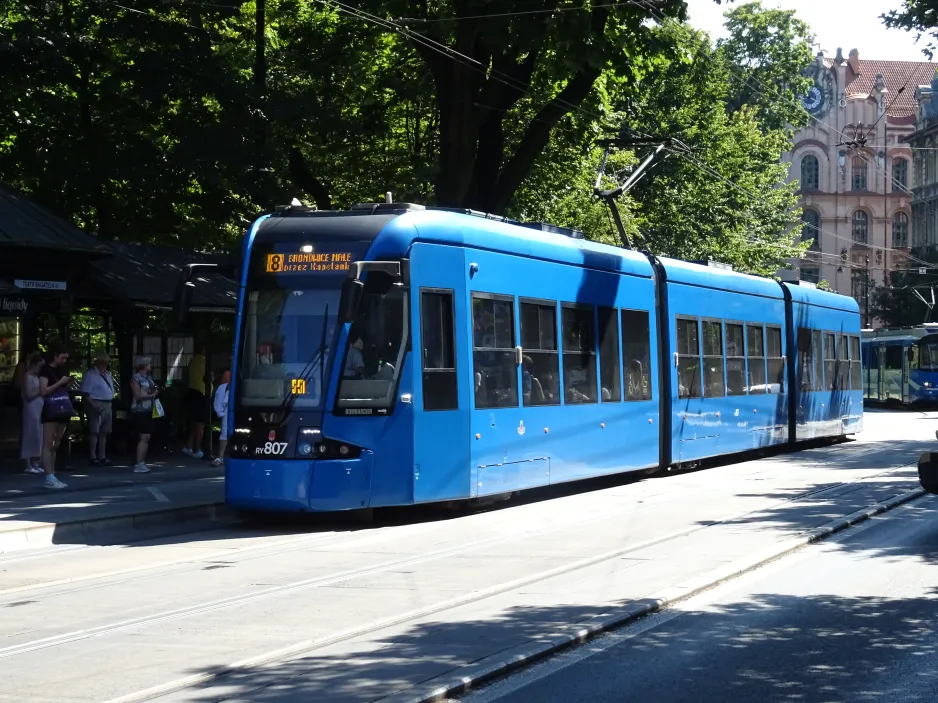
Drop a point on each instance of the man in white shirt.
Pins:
(97, 388)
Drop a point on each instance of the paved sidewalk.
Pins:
(107, 505)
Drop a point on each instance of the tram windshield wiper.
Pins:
(289, 398)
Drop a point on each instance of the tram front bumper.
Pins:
(298, 485)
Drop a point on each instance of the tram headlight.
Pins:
(304, 449)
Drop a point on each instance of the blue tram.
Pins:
(900, 364)
(394, 355)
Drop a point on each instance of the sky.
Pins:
(849, 25)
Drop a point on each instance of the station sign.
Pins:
(28, 284)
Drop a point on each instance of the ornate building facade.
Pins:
(854, 169)
(924, 144)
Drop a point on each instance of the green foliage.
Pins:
(162, 121)
(919, 16)
(896, 303)
(768, 48)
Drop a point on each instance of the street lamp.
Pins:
(866, 304)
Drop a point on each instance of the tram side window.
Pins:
(805, 360)
(755, 347)
(439, 351)
(893, 360)
(735, 360)
(609, 355)
(540, 369)
(688, 359)
(776, 360)
(636, 354)
(493, 351)
(856, 370)
(579, 354)
(843, 363)
(818, 361)
(829, 361)
(714, 384)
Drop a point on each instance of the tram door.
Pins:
(441, 428)
(894, 373)
(907, 356)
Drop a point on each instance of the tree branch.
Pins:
(303, 178)
(538, 132)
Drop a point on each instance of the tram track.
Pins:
(262, 551)
(220, 675)
(390, 565)
(303, 542)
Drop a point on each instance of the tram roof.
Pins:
(822, 298)
(393, 229)
(454, 228)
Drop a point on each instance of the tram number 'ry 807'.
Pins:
(272, 448)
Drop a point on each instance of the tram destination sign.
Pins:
(311, 262)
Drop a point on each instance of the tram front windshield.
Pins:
(928, 354)
(288, 340)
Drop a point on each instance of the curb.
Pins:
(118, 528)
(523, 656)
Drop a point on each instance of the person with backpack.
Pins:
(221, 409)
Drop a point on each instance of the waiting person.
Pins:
(31, 433)
(97, 387)
(196, 403)
(19, 374)
(54, 384)
(221, 409)
(144, 392)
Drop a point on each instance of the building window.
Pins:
(811, 227)
(900, 175)
(809, 173)
(861, 227)
(900, 230)
(859, 173)
(810, 274)
(856, 285)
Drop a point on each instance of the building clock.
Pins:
(817, 101)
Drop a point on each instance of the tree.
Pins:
(919, 16)
(896, 304)
(505, 75)
(768, 49)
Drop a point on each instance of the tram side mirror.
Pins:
(351, 297)
(910, 354)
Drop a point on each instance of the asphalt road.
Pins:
(852, 619)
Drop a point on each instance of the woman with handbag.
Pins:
(144, 407)
(57, 410)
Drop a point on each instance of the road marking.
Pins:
(158, 494)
